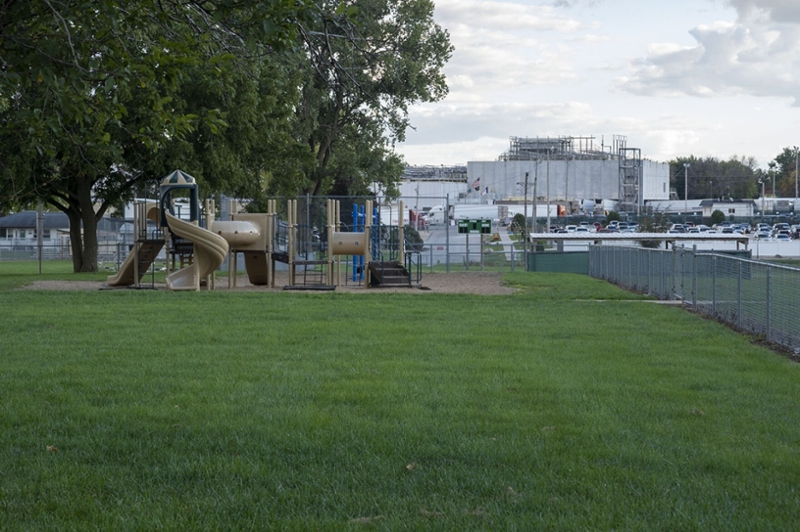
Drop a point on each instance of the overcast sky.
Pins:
(676, 77)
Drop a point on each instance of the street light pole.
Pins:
(526, 233)
(685, 190)
(796, 155)
(548, 190)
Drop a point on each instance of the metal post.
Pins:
(480, 240)
(714, 286)
(39, 231)
(447, 231)
(525, 232)
(547, 230)
(694, 277)
(535, 210)
(685, 190)
(796, 161)
(769, 304)
(739, 297)
(467, 257)
(672, 274)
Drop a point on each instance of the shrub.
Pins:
(518, 223)
(413, 238)
(717, 217)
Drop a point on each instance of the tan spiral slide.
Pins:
(210, 250)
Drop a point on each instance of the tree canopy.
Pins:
(711, 177)
(251, 97)
(783, 172)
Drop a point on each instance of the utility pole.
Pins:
(548, 191)
(525, 230)
(685, 190)
(566, 182)
(796, 154)
(535, 210)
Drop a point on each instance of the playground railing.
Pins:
(413, 263)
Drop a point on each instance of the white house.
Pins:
(20, 229)
(731, 208)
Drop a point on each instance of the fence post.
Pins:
(739, 297)
(673, 275)
(714, 286)
(694, 277)
(512, 256)
(769, 304)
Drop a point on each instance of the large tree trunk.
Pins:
(83, 228)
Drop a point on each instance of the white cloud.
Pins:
(452, 153)
(506, 16)
(785, 11)
(460, 123)
(505, 45)
(752, 56)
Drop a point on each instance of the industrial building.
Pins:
(572, 171)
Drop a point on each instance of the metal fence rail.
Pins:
(753, 296)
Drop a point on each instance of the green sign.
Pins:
(475, 227)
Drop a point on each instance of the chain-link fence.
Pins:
(753, 296)
(434, 240)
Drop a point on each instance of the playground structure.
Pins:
(264, 240)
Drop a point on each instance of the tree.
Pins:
(717, 217)
(714, 178)
(98, 97)
(367, 65)
(87, 87)
(657, 222)
(518, 224)
(783, 169)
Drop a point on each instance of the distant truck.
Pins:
(390, 215)
(437, 216)
(499, 213)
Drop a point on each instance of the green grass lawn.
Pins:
(569, 405)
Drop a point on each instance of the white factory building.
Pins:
(574, 172)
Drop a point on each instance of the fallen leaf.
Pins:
(698, 412)
(430, 513)
(480, 510)
(52, 449)
(548, 429)
(411, 466)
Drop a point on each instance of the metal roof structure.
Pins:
(669, 238)
(27, 220)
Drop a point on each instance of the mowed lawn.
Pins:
(569, 405)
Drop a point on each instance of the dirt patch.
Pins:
(479, 283)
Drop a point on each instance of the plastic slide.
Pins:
(210, 250)
(126, 276)
(148, 250)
